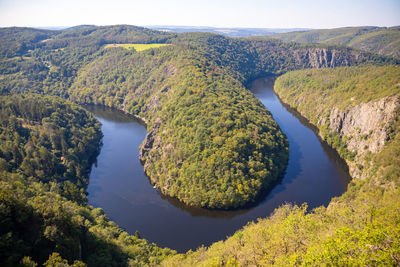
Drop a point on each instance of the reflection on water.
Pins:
(110, 114)
(118, 184)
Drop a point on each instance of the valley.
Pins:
(214, 149)
(118, 184)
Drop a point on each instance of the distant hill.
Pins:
(66, 28)
(15, 41)
(78, 27)
(89, 36)
(231, 32)
(380, 40)
(210, 143)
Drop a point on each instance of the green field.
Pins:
(137, 47)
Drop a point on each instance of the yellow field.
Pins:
(137, 47)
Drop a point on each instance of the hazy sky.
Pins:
(220, 13)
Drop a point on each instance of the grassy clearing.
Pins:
(137, 47)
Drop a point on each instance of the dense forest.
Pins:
(210, 142)
(213, 139)
(47, 148)
(343, 89)
(380, 40)
(360, 228)
(49, 140)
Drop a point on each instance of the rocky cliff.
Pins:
(364, 128)
(162, 157)
(327, 57)
(354, 108)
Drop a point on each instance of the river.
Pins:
(118, 185)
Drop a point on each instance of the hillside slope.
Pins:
(382, 41)
(210, 142)
(359, 228)
(353, 107)
(47, 147)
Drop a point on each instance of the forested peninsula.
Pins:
(210, 142)
(362, 226)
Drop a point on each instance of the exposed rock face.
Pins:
(367, 124)
(325, 58)
(169, 70)
(364, 128)
(148, 142)
(151, 141)
(158, 91)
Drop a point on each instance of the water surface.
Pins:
(119, 186)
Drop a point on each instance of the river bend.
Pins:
(119, 186)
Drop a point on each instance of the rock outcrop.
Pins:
(364, 128)
(151, 141)
(326, 57)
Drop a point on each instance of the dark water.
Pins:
(314, 175)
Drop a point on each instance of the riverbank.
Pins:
(359, 228)
(127, 196)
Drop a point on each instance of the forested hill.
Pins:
(47, 147)
(252, 57)
(211, 143)
(47, 61)
(355, 108)
(380, 40)
(100, 35)
(17, 41)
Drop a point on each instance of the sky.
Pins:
(217, 13)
